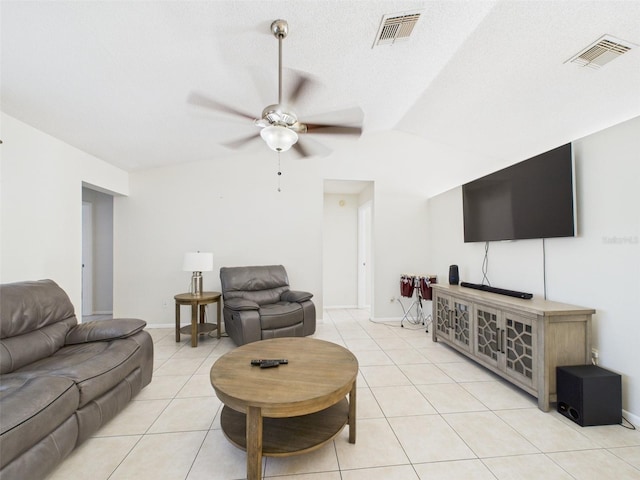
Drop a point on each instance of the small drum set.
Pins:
(420, 285)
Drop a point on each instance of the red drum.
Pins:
(406, 285)
(425, 287)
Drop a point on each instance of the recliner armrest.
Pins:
(241, 304)
(295, 296)
(104, 330)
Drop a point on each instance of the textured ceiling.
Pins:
(485, 78)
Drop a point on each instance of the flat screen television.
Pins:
(531, 199)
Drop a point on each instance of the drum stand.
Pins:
(417, 303)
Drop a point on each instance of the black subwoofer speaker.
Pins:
(454, 276)
(589, 395)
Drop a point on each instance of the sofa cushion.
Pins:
(29, 306)
(32, 408)
(16, 352)
(95, 367)
(34, 320)
(240, 304)
(296, 296)
(99, 411)
(42, 458)
(281, 314)
(261, 284)
(104, 330)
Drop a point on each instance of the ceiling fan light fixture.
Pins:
(279, 138)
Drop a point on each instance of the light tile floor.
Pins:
(424, 412)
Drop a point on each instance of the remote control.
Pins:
(269, 363)
(257, 363)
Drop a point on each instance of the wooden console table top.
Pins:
(535, 305)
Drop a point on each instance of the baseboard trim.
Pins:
(164, 325)
(339, 307)
(635, 419)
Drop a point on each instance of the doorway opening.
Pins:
(348, 244)
(97, 254)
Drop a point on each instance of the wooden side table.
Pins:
(196, 301)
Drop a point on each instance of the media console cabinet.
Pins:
(521, 340)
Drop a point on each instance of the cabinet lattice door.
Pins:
(487, 334)
(442, 315)
(462, 324)
(519, 348)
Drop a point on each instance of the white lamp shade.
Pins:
(279, 138)
(198, 262)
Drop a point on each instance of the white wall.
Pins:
(600, 268)
(41, 205)
(403, 169)
(231, 208)
(340, 250)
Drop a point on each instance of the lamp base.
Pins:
(196, 283)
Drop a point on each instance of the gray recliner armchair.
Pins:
(258, 304)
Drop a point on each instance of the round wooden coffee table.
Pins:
(290, 409)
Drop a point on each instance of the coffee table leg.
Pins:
(352, 413)
(177, 322)
(254, 443)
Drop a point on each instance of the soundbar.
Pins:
(500, 291)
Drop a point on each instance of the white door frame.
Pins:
(364, 255)
(87, 258)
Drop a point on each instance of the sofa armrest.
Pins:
(295, 296)
(239, 304)
(104, 330)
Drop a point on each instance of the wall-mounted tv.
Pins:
(531, 199)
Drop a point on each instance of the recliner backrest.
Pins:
(35, 318)
(261, 284)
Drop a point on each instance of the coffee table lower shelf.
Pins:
(282, 437)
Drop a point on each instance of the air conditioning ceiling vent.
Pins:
(601, 52)
(396, 27)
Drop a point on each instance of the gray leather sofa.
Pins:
(60, 380)
(258, 304)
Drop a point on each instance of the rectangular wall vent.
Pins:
(396, 27)
(601, 52)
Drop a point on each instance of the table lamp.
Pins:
(197, 262)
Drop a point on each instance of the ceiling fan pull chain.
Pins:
(279, 172)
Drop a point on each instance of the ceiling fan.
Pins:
(279, 125)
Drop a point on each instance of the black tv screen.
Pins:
(531, 199)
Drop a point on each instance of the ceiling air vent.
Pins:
(396, 27)
(601, 52)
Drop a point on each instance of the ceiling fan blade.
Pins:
(310, 148)
(343, 122)
(333, 129)
(201, 100)
(302, 151)
(302, 84)
(241, 142)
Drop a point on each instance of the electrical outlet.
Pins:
(164, 304)
(595, 356)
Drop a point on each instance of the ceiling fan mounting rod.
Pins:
(279, 70)
(280, 29)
